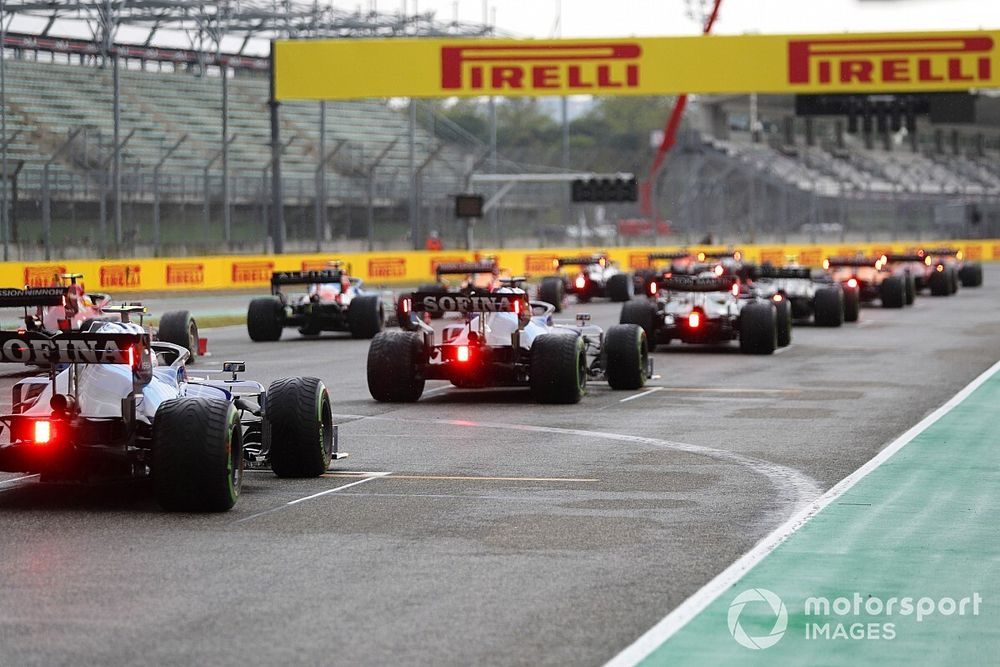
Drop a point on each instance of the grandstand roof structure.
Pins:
(205, 23)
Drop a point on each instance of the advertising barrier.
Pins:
(769, 64)
(406, 267)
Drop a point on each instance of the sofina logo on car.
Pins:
(777, 607)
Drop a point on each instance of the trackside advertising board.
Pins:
(409, 267)
(836, 63)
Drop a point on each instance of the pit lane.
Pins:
(504, 532)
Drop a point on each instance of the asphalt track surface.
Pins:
(475, 526)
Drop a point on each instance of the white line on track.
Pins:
(726, 579)
(783, 349)
(794, 488)
(291, 503)
(16, 482)
(640, 395)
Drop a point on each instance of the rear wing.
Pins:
(677, 283)
(767, 271)
(942, 252)
(720, 254)
(279, 278)
(74, 347)
(837, 262)
(668, 255)
(584, 260)
(904, 258)
(455, 302)
(463, 268)
(12, 297)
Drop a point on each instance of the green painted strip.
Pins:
(924, 524)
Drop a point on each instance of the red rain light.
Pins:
(581, 282)
(652, 289)
(694, 319)
(462, 353)
(43, 432)
(852, 283)
(778, 298)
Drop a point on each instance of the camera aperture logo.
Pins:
(758, 596)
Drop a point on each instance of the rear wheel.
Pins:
(197, 455)
(365, 316)
(971, 275)
(298, 427)
(852, 304)
(939, 282)
(178, 327)
(892, 292)
(558, 369)
(830, 306)
(644, 314)
(783, 321)
(626, 356)
(758, 329)
(910, 291)
(265, 319)
(952, 279)
(619, 287)
(393, 367)
(641, 280)
(551, 290)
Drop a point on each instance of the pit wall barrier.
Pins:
(406, 268)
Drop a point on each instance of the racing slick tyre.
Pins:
(197, 461)
(952, 278)
(298, 427)
(852, 304)
(437, 288)
(940, 282)
(971, 275)
(551, 290)
(910, 288)
(178, 327)
(393, 373)
(644, 314)
(626, 356)
(783, 321)
(558, 368)
(265, 320)
(892, 292)
(830, 306)
(619, 287)
(758, 329)
(365, 316)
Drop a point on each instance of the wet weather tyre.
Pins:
(852, 305)
(197, 461)
(952, 279)
(783, 322)
(892, 292)
(910, 288)
(619, 287)
(551, 290)
(626, 356)
(642, 313)
(179, 327)
(365, 316)
(971, 275)
(298, 427)
(265, 320)
(829, 307)
(393, 367)
(758, 329)
(558, 369)
(939, 283)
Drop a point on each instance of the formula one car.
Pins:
(505, 341)
(946, 269)
(481, 275)
(709, 309)
(805, 296)
(333, 301)
(123, 407)
(682, 262)
(871, 278)
(595, 276)
(78, 310)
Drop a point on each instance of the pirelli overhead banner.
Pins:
(845, 63)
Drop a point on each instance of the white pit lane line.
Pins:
(641, 394)
(16, 482)
(794, 488)
(292, 503)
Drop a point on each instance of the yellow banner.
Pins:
(404, 267)
(838, 63)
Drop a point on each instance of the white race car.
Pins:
(115, 405)
(505, 341)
